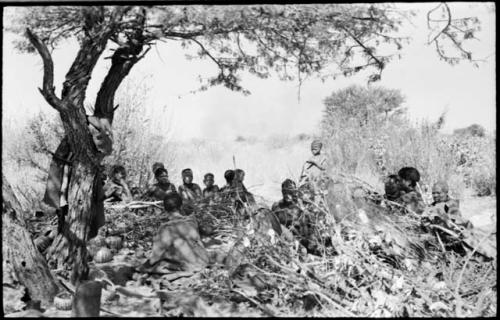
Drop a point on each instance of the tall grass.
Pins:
(383, 146)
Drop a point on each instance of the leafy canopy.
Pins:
(296, 41)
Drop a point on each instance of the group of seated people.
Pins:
(402, 188)
(117, 189)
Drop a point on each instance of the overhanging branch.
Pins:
(47, 89)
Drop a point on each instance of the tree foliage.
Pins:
(296, 41)
(474, 130)
(364, 104)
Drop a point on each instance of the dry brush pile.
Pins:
(372, 258)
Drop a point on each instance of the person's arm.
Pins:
(126, 194)
(197, 191)
(110, 189)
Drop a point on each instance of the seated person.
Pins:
(287, 209)
(162, 186)
(177, 245)
(189, 191)
(116, 188)
(229, 176)
(211, 190)
(392, 188)
(239, 188)
(445, 207)
(409, 196)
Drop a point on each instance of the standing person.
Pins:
(116, 188)
(189, 191)
(162, 186)
(314, 170)
(211, 190)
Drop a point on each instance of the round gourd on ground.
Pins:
(98, 241)
(63, 301)
(114, 242)
(103, 255)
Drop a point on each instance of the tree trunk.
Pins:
(69, 247)
(19, 250)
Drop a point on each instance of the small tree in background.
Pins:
(474, 130)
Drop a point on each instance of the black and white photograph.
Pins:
(256, 159)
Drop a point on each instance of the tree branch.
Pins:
(48, 88)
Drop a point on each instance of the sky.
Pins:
(430, 86)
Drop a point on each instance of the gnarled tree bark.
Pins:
(18, 249)
(84, 199)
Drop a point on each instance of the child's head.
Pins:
(117, 173)
(208, 180)
(161, 175)
(172, 202)
(187, 175)
(440, 191)
(229, 176)
(316, 146)
(289, 191)
(392, 186)
(409, 176)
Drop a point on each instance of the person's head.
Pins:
(392, 186)
(161, 175)
(239, 175)
(316, 146)
(289, 191)
(172, 202)
(118, 173)
(229, 176)
(409, 176)
(187, 176)
(156, 166)
(208, 179)
(440, 191)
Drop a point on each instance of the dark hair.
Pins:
(392, 186)
(208, 175)
(410, 173)
(186, 171)
(288, 185)
(238, 173)
(172, 201)
(229, 175)
(159, 171)
(157, 165)
(117, 168)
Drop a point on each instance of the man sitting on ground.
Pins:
(211, 190)
(240, 189)
(445, 207)
(177, 245)
(189, 191)
(116, 188)
(409, 195)
(162, 186)
(287, 209)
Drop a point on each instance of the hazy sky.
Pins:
(430, 86)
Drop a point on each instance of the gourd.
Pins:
(114, 242)
(98, 241)
(103, 255)
(63, 301)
